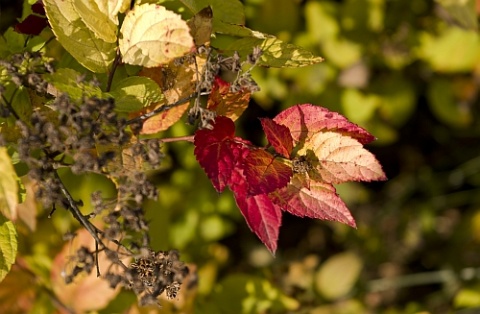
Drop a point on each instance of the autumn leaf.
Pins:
(86, 293)
(304, 197)
(305, 120)
(201, 26)
(177, 81)
(278, 136)
(340, 158)
(218, 152)
(227, 103)
(265, 173)
(151, 36)
(263, 216)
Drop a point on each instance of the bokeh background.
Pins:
(409, 72)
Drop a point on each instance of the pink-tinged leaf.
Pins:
(218, 152)
(340, 158)
(265, 173)
(263, 216)
(304, 197)
(305, 120)
(278, 136)
(225, 102)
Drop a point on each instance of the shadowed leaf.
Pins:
(278, 136)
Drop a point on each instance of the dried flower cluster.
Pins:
(87, 135)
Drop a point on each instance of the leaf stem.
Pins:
(188, 138)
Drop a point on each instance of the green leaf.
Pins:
(8, 186)
(357, 107)
(469, 298)
(68, 81)
(338, 274)
(8, 246)
(276, 53)
(73, 34)
(230, 11)
(98, 18)
(134, 93)
(463, 11)
(244, 294)
(445, 106)
(443, 53)
(152, 36)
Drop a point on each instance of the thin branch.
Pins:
(116, 62)
(445, 276)
(161, 109)
(188, 138)
(77, 214)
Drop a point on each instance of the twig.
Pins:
(77, 214)
(161, 109)
(116, 61)
(188, 138)
(426, 278)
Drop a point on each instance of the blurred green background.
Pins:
(409, 72)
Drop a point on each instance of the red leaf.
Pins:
(278, 136)
(265, 173)
(32, 25)
(227, 103)
(262, 215)
(304, 197)
(306, 120)
(218, 152)
(340, 158)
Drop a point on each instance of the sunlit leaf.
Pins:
(8, 186)
(265, 173)
(339, 158)
(93, 53)
(218, 153)
(275, 53)
(8, 245)
(152, 36)
(69, 81)
(442, 54)
(240, 293)
(262, 215)
(278, 136)
(304, 197)
(305, 120)
(227, 103)
(134, 93)
(95, 15)
(177, 82)
(337, 275)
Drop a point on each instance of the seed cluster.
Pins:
(87, 135)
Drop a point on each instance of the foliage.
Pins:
(93, 113)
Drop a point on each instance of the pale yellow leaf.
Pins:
(8, 186)
(73, 34)
(339, 158)
(152, 35)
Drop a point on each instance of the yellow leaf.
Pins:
(152, 35)
(8, 186)
(339, 158)
(93, 53)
